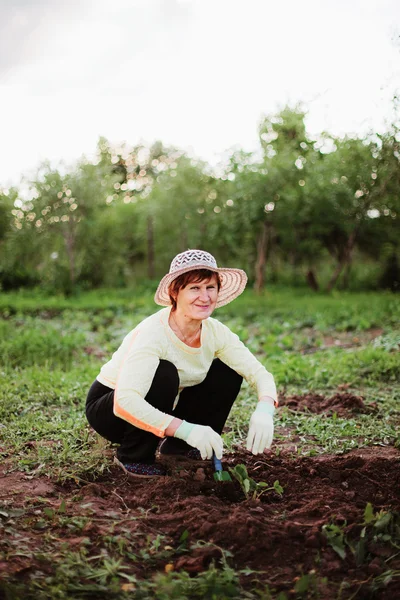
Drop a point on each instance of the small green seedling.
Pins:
(253, 489)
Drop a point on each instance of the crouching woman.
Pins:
(176, 375)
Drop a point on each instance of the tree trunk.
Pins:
(150, 248)
(346, 275)
(312, 280)
(346, 260)
(262, 246)
(69, 239)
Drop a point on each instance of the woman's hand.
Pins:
(261, 428)
(202, 437)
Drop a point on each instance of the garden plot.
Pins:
(334, 528)
(317, 516)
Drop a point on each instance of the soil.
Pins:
(341, 403)
(281, 537)
(342, 339)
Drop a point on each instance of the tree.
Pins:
(268, 191)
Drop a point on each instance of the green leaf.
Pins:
(338, 546)
(360, 551)
(278, 488)
(184, 535)
(241, 471)
(302, 584)
(40, 524)
(368, 513)
(383, 521)
(335, 538)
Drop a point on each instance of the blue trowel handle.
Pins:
(217, 463)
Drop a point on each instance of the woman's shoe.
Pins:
(141, 470)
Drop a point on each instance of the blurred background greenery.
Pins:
(322, 213)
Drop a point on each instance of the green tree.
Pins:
(268, 191)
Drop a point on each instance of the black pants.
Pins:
(207, 403)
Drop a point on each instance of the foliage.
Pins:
(377, 529)
(335, 537)
(322, 212)
(253, 489)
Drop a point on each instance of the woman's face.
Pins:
(198, 299)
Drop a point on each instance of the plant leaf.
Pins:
(368, 513)
(184, 535)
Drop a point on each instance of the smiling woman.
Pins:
(197, 294)
(178, 373)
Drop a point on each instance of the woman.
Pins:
(176, 375)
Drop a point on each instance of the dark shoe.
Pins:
(139, 469)
(172, 447)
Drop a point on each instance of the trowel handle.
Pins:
(217, 463)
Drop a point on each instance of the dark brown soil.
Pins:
(280, 536)
(342, 403)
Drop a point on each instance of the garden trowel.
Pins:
(219, 474)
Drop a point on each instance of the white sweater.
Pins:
(132, 367)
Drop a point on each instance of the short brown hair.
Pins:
(183, 280)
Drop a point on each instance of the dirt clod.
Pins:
(199, 475)
(342, 403)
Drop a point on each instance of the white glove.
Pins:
(202, 437)
(261, 428)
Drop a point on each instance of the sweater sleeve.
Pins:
(134, 381)
(232, 351)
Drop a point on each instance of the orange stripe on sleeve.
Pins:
(124, 414)
(119, 411)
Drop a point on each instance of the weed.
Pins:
(377, 529)
(335, 537)
(309, 585)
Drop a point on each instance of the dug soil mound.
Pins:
(318, 525)
(342, 403)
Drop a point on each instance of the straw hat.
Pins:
(233, 281)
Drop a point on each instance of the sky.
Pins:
(196, 74)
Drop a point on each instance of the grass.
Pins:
(51, 351)
(50, 359)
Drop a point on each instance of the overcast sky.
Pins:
(194, 73)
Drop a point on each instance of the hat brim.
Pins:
(233, 282)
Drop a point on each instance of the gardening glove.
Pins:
(202, 437)
(261, 428)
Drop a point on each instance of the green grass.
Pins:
(286, 307)
(53, 347)
(49, 360)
